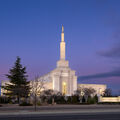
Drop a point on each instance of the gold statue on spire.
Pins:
(62, 29)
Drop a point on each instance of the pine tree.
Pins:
(18, 86)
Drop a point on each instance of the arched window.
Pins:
(64, 88)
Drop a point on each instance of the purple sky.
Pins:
(31, 29)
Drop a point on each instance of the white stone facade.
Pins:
(99, 88)
(3, 84)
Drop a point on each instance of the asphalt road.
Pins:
(108, 116)
(61, 112)
(11, 108)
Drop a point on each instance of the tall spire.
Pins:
(62, 62)
(62, 34)
(62, 45)
(62, 29)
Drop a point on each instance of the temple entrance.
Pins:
(64, 88)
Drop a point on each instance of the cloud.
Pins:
(113, 22)
(115, 73)
(112, 53)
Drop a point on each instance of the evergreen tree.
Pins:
(18, 86)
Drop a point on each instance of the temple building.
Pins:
(63, 79)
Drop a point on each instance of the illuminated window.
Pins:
(64, 88)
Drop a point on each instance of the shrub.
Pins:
(92, 100)
(75, 99)
(60, 100)
(5, 100)
(39, 103)
(83, 99)
(25, 104)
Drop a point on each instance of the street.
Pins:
(103, 116)
(61, 112)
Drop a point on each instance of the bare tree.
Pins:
(50, 94)
(37, 86)
(88, 92)
(79, 92)
(107, 93)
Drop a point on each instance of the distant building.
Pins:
(99, 88)
(3, 82)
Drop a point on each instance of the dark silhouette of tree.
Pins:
(88, 92)
(19, 86)
(107, 93)
(51, 96)
(80, 92)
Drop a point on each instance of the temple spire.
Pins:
(62, 34)
(62, 29)
(62, 45)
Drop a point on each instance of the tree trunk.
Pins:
(35, 102)
(80, 98)
(18, 99)
(53, 101)
(86, 98)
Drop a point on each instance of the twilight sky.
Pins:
(31, 29)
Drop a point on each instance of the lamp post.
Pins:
(81, 96)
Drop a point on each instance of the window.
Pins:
(64, 88)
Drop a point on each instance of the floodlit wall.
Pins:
(3, 82)
(109, 99)
(99, 88)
